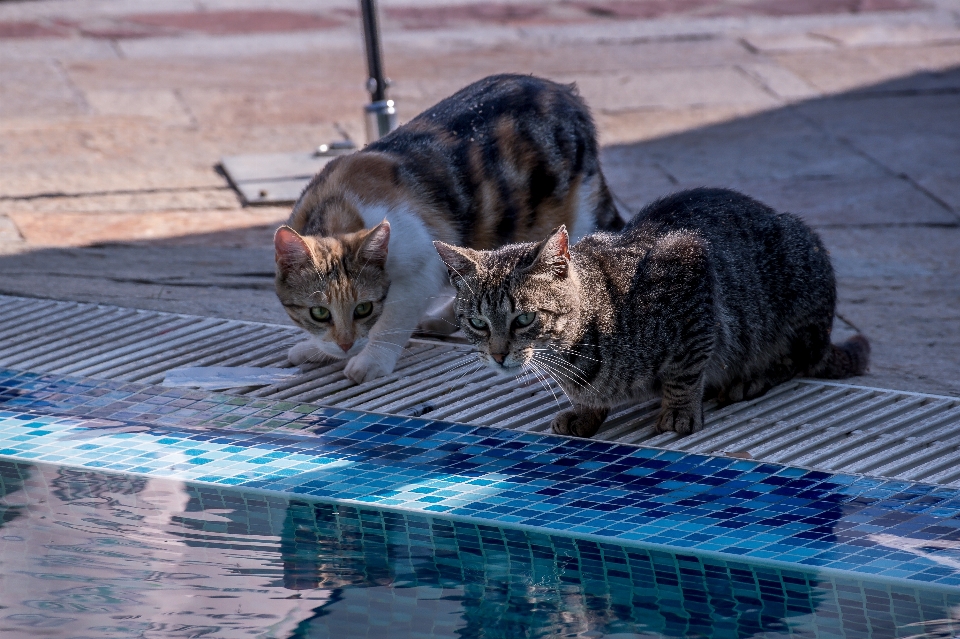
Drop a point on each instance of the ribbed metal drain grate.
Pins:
(805, 423)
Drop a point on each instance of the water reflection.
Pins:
(86, 554)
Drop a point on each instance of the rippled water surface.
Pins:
(92, 555)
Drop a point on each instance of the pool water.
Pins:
(91, 554)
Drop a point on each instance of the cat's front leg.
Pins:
(406, 302)
(681, 410)
(379, 356)
(369, 365)
(306, 352)
(582, 421)
(441, 317)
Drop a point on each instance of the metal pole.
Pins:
(376, 84)
(381, 117)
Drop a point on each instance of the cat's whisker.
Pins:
(559, 349)
(388, 344)
(462, 278)
(570, 368)
(578, 355)
(461, 371)
(567, 373)
(477, 366)
(385, 347)
(391, 344)
(445, 320)
(523, 376)
(566, 376)
(377, 342)
(566, 365)
(550, 351)
(543, 382)
(378, 355)
(551, 373)
(321, 356)
(397, 331)
(525, 372)
(427, 297)
(461, 363)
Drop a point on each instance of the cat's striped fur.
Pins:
(504, 160)
(706, 292)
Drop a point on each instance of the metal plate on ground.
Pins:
(273, 178)
(810, 423)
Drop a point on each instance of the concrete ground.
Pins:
(113, 119)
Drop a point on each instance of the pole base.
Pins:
(381, 118)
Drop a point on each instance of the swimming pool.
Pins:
(92, 554)
(132, 510)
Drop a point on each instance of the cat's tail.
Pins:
(846, 359)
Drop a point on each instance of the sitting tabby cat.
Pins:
(506, 159)
(705, 292)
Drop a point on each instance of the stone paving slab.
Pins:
(87, 228)
(840, 70)
(899, 285)
(38, 88)
(204, 278)
(844, 202)
(772, 145)
(615, 92)
(133, 201)
(909, 137)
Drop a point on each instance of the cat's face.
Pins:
(333, 287)
(513, 302)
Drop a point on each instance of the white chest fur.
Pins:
(410, 253)
(416, 278)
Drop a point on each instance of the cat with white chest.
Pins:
(504, 160)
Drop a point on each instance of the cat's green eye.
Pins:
(477, 323)
(363, 309)
(320, 313)
(525, 319)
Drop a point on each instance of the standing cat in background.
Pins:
(506, 159)
(705, 292)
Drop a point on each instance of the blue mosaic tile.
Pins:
(747, 510)
(492, 581)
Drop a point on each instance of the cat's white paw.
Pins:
(365, 367)
(302, 352)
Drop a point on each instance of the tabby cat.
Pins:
(506, 159)
(706, 292)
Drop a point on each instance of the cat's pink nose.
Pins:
(346, 346)
(498, 357)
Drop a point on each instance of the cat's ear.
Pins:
(373, 248)
(458, 260)
(554, 252)
(289, 247)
